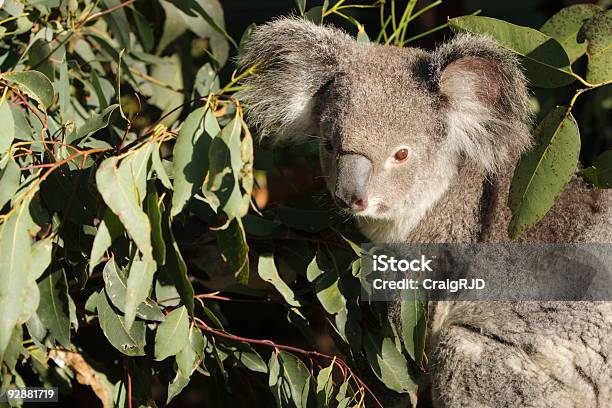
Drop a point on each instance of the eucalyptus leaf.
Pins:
(387, 362)
(546, 62)
(139, 284)
(119, 191)
(92, 125)
(600, 173)
(130, 342)
(287, 379)
(598, 33)
(35, 84)
(268, 272)
(191, 156)
(14, 271)
(543, 172)
(232, 244)
(565, 25)
(173, 334)
(115, 283)
(53, 306)
(9, 181)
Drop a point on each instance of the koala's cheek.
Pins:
(327, 171)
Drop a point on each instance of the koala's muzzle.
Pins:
(354, 172)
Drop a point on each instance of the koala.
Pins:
(420, 147)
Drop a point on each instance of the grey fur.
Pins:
(462, 112)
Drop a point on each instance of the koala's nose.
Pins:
(354, 172)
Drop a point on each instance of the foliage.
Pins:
(119, 141)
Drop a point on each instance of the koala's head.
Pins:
(393, 123)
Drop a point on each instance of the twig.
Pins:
(296, 350)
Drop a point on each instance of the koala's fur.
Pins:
(462, 111)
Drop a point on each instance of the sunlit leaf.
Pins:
(139, 283)
(287, 379)
(598, 33)
(34, 84)
(543, 172)
(15, 241)
(9, 181)
(173, 334)
(119, 191)
(118, 22)
(116, 287)
(191, 156)
(325, 387)
(91, 125)
(268, 272)
(546, 62)
(565, 25)
(109, 229)
(388, 363)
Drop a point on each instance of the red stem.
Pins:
(269, 343)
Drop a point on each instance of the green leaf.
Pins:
(543, 172)
(176, 386)
(600, 173)
(9, 181)
(598, 32)
(565, 25)
(109, 229)
(130, 342)
(191, 156)
(139, 284)
(287, 379)
(118, 22)
(53, 306)
(313, 271)
(245, 355)
(159, 168)
(234, 250)
(169, 96)
(119, 191)
(230, 164)
(268, 272)
(413, 316)
(173, 334)
(177, 269)
(16, 125)
(32, 83)
(116, 287)
(41, 257)
(155, 217)
(92, 125)
(328, 292)
(325, 386)
(545, 61)
(144, 30)
(182, 15)
(15, 241)
(387, 362)
(189, 358)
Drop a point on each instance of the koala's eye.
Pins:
(401, 155)
(328, 145)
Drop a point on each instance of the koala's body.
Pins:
(420, 146)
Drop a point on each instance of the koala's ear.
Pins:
(487, 101)
(294, 59)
